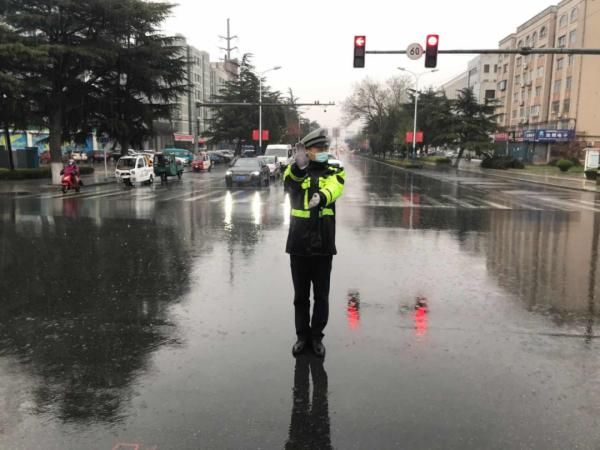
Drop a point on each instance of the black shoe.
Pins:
(318, 348)
(299, 347)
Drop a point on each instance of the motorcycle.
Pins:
(70, 181)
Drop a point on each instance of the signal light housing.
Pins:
(431, 50)
(360, 45)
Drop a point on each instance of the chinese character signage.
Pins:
(549, 135)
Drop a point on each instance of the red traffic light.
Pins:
(431, 50)
(360, 43)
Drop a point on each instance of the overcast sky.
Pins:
(313, 40)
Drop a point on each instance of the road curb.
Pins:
(497, 175)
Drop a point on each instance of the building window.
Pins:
(518, 80)
(514, 114)
(560, 63)
(566, 105)
(570, 60)
(543, 33)
(555, 107)
(516, 97)
(557, 85)
(574, 15)
(535, 110)
(495, 68)
(562, 41)
(534, 38)
(490, 94)
(486, 68)
(572, 37)
(505, 68)
(563, 21)
(521, 112)
(519, 61)
(538, 91)
(540, 72)
(568, 83)
(528, 41)
(520, 44)
(502, 85)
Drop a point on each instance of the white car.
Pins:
(133, 170)
(271, 162)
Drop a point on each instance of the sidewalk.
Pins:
(45, 185)
(574, 181)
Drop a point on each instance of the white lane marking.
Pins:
(459, 202)
(108, 194)
(222, 197)
(487, 202)
(569, 205)
(198, 197)
(432, 201)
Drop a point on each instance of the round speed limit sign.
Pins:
(414, 51)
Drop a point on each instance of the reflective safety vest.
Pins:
(312, 231)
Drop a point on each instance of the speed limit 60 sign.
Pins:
(414, 51)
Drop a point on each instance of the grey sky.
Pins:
(312, 40)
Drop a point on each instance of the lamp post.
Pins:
(260, 105)
(417, 76)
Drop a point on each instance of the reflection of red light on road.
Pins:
(420, 321)
(353, 315)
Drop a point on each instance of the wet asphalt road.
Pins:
(161, 318)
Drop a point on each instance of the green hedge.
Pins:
(437, 160)
(564, 165)
(31, 174)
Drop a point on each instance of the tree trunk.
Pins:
(55, 140)
(11, 163)
(460, 153)
(124, 142)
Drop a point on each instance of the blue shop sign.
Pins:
(549, 135)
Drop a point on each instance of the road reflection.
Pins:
(83, 309)
(310, 423)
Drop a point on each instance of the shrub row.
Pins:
(437, 160)
(502, 163)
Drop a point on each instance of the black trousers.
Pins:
(307, 270)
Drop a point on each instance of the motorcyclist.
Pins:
(71, 170)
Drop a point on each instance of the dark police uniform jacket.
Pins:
(312, 231)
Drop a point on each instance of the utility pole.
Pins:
(228, 38)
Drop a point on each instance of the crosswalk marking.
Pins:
(459, 202)
(198, 197)
(487, 202)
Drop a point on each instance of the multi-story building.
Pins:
(550, 102)
(220, 73)
(456, 84)
(189, 120)
(480, 76)
(504, 79)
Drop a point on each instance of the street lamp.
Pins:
(260, 105)
(417, 76)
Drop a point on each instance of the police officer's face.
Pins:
(312, 152)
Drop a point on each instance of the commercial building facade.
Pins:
(549, 103)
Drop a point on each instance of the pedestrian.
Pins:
(313, 186)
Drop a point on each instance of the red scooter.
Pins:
(70, 181)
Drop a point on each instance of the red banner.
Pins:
(409, 137)
(501, 137)
(265, 135)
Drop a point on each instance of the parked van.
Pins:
(282, 153)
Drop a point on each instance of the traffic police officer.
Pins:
(313, 186)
